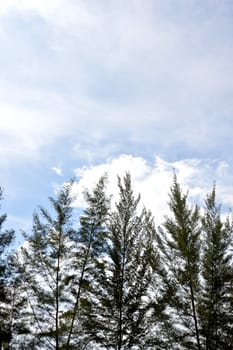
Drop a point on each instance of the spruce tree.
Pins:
(216, 304)
(179, 242)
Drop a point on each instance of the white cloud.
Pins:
(153, 181)
(40, 6)
(25, 131)
(57, 170)
(84, 81)
(111, 74)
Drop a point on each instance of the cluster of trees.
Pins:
(116, 282)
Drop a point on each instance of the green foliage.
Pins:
(125, 275)
(115, 282)
(90, 246)
(217, 297)
(43, 265)
(179, 244)
(6, 238)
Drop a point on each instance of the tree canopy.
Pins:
(109, 279)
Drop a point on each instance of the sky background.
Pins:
(91, 86)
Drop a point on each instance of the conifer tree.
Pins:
(44, 265)
(91, 245)
(55, 268)
(179, 243)
(125, 275)
(216, 304)
(6, 238)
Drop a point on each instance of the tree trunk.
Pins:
(195, 318)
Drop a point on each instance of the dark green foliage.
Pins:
(6, 238)
(216, 303)
(125, 275)
(91, 245)
(115, 282)
(179, 243)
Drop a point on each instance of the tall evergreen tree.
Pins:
(179, 243)
(124, 275)
(44, 268)
(6, 238)
(91, 246)
(216, 304)
(54, 273)
(104, 285)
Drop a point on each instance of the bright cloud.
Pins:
(57, 171)
(122, 74)
(25, 131)
(153, 181)
(83, 82)
(41, 6)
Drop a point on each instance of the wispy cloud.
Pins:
(57, 171)
(40, 6)
(130, 74)
(159, 67)
(83, 82)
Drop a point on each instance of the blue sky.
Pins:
(102, 85)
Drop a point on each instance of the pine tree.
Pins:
(91, 245)
(179, 243)
(6, 238)
(21, 317)
(54, 273)
(216, 304)
(125, 275)
(44, 267)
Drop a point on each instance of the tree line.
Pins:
(109, 279)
